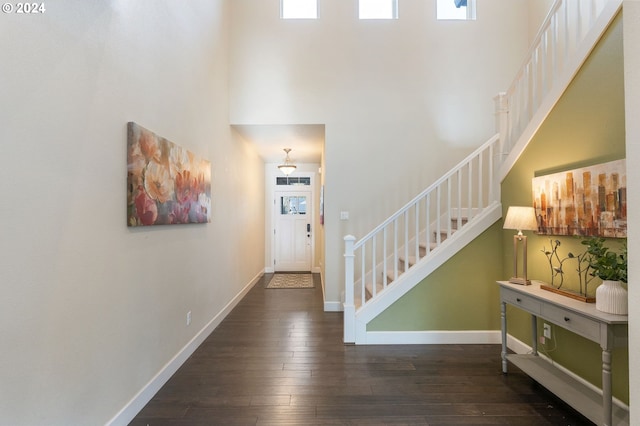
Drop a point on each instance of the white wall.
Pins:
(401, 105)
(631, 34)
(91, 310)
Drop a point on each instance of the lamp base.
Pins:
(520, 280)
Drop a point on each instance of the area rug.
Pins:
(291, 281)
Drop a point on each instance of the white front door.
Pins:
(293, 231)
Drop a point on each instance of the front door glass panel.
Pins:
(293, 205)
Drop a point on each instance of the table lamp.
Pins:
(520, 219)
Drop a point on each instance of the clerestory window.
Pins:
(299, 9)
(293, 181)
(378, 9)
(456, 10)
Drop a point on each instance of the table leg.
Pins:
(606, 388)
(503, 321)
(534, 335)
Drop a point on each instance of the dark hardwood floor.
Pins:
(278, 359)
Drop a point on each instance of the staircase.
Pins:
(405, 263)
(399, 253)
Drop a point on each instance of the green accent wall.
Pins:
(460, 295)
(585, 127)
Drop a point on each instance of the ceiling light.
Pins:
(288, 167)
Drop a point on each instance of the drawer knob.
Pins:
(567, 319)
(518, 300)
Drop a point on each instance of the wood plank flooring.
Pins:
(278, 359)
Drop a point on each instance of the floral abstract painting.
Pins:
(166, 184)
(590, 201)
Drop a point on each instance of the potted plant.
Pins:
(611, 268)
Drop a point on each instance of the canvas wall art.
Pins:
(166, 184)
(589, 201)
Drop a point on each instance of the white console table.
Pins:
(607, 330)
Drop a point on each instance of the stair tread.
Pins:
(369, 287)
(390, 275)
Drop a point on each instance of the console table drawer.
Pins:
(572, 321)
(523, 302)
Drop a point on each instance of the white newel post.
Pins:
(502, 123)
(349, 308)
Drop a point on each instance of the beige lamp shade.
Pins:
(521, 219)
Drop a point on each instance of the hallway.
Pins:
(278, 359)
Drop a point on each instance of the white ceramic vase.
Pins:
(612, 298)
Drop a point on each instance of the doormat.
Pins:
(291, 281)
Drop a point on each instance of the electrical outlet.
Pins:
(546, 330)
(189, 318)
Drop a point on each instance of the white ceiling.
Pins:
(305, 140)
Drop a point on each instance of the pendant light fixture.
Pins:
(288, 167)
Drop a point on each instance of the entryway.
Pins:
(293, 227)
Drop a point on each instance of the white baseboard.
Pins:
(517, 346)
(137, 403)
(332, 306)
(271, 270)
(432, 337)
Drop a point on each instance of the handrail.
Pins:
(563, 31)
(536, 41)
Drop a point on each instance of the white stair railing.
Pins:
(554, 52)
(421, 226)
